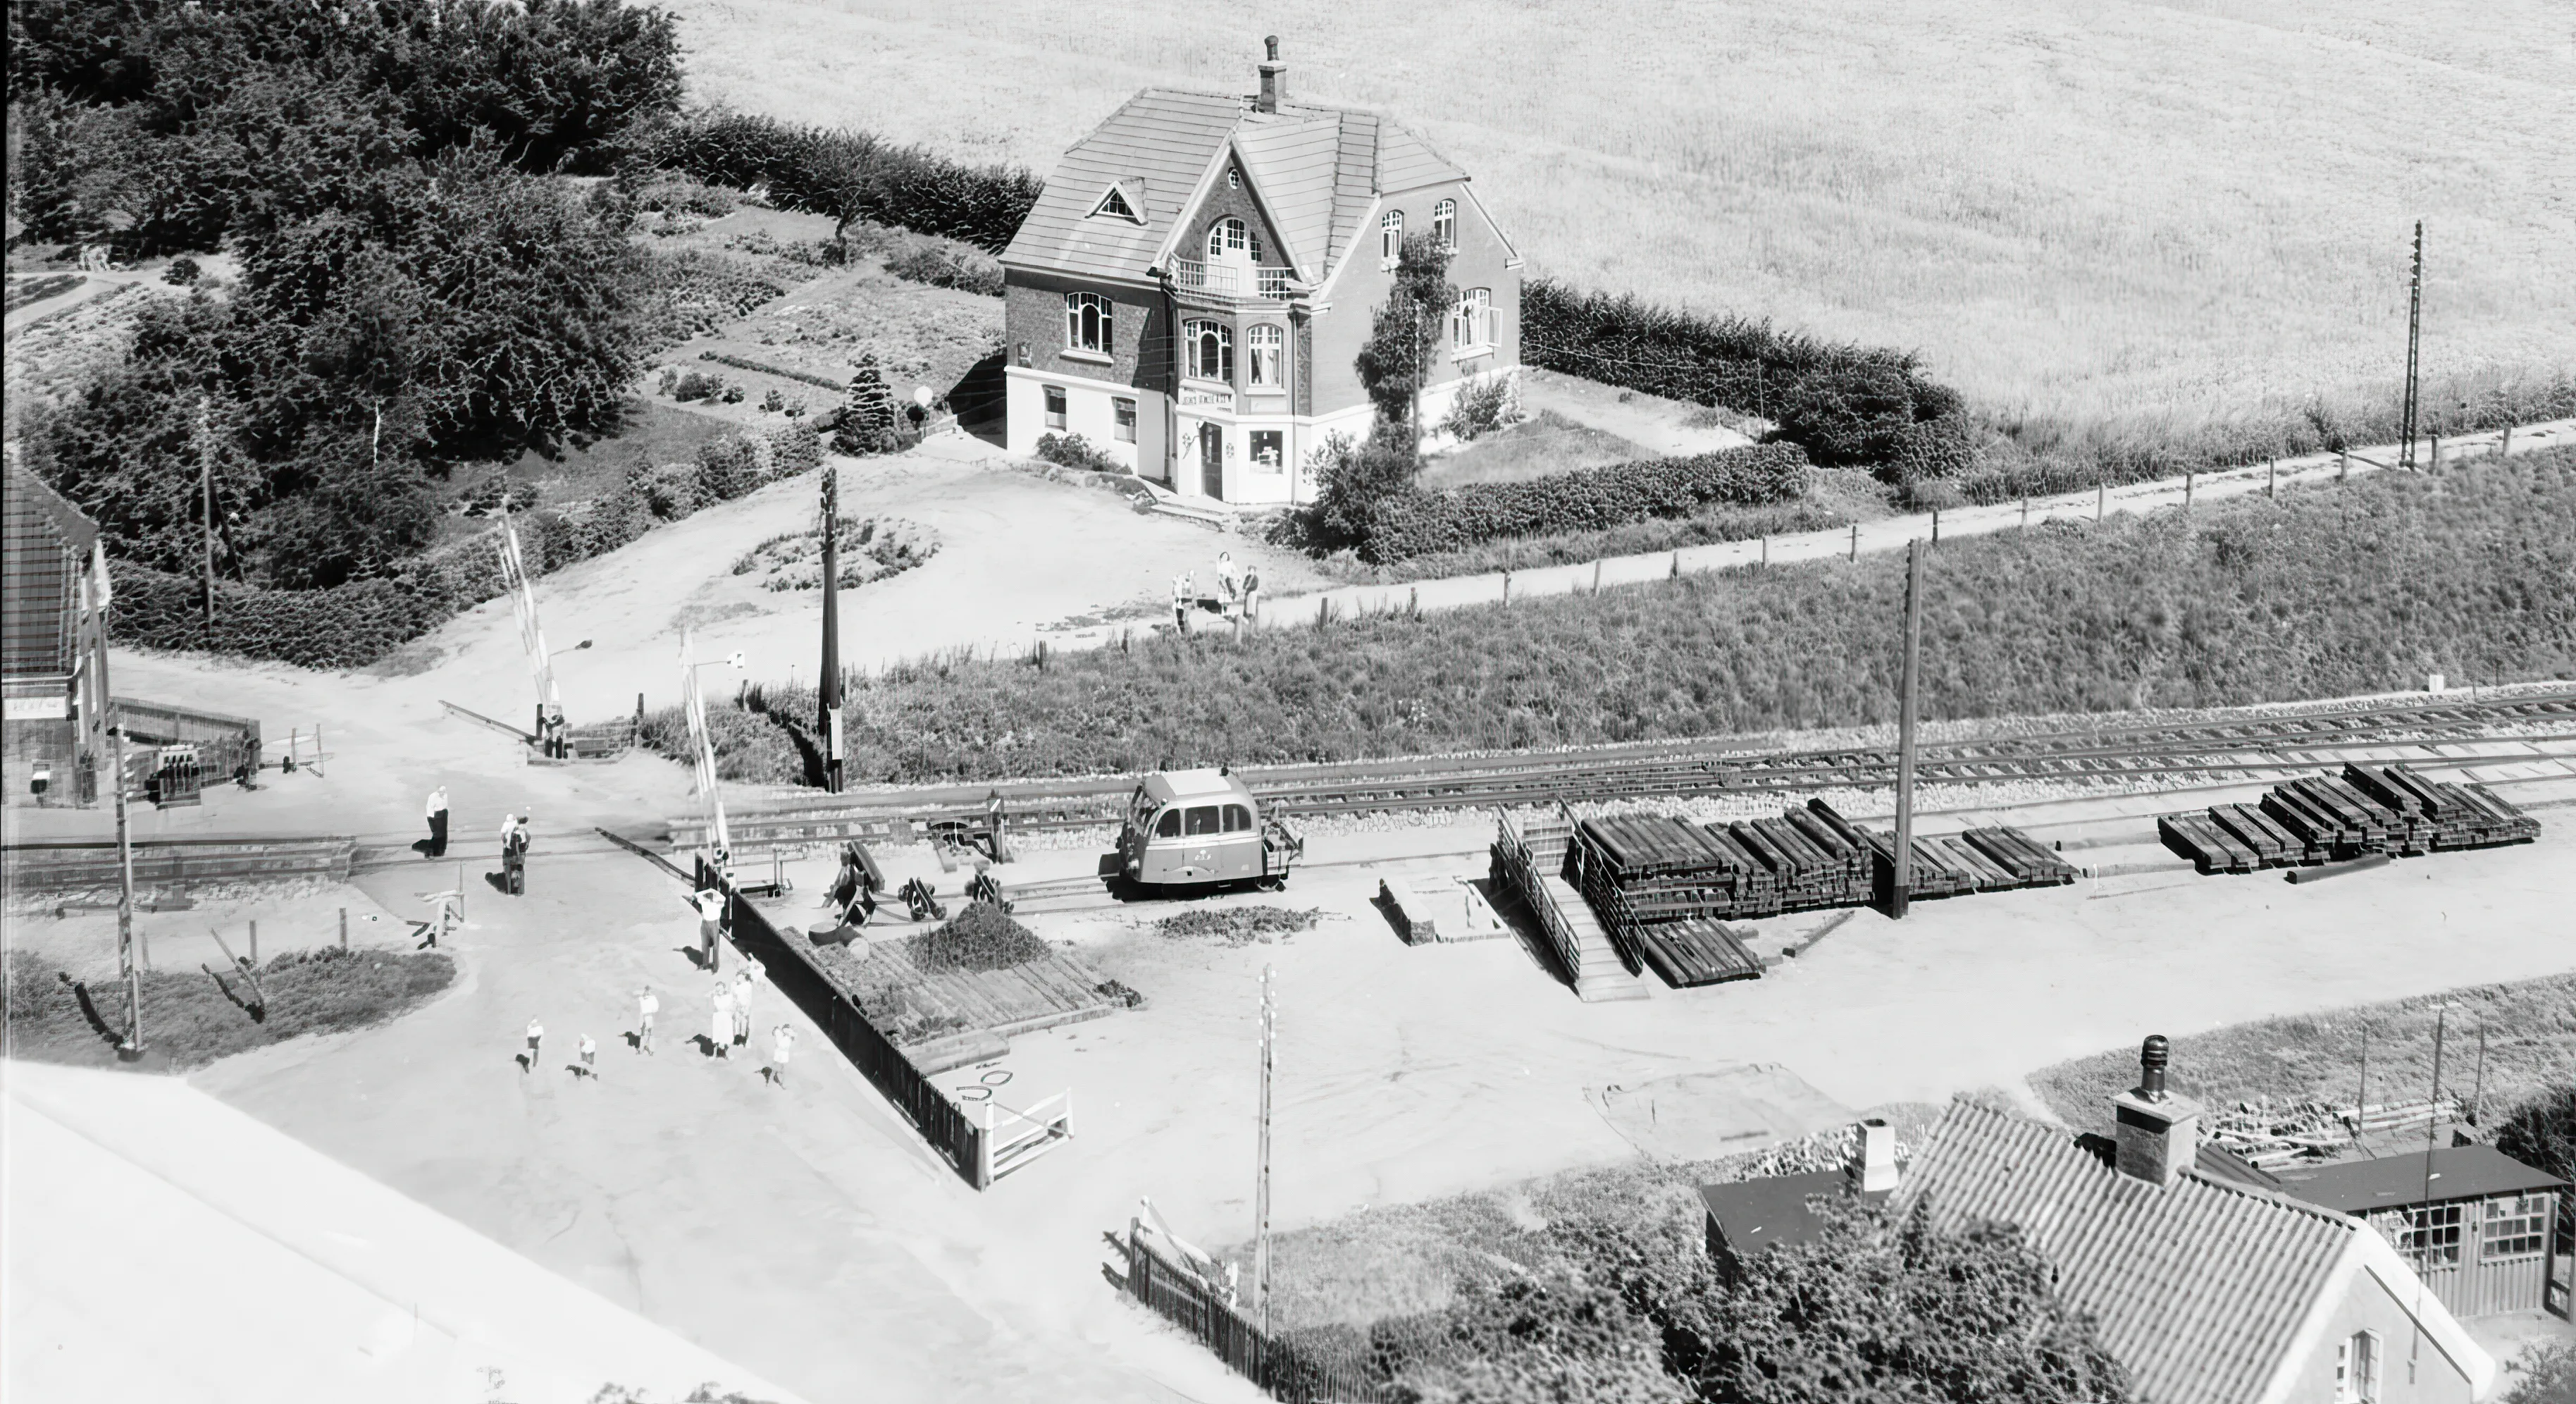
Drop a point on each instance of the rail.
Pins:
(80, 865)
(2244, 745)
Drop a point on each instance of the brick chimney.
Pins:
(1274, 78)
(2159, 1129)
(1872, 1167)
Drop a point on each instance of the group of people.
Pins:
(730, 1028)
(515, 838)
(1237, 599)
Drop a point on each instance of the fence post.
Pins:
(344, 928)
(2025, 509)
(2101, 500)
(2504, 446)
(2272, 479)
(1766, 552)
(1596, 575)
(2343, 466)
(1677, 565)
(1855, 546)
(254, 943)
(1936, 526)
(2437, 453)
(2188, 477)
(1507, 587)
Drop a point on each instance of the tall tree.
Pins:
(1405, 335)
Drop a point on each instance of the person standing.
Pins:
(646, 1006)
(782, 1041)
(438, 822)
(1229, 579)
(743, 985)
(720, 1036)
(1181, 603)
(536, 1037)
(589, 1057)
(1252, 596)
(711, 908)
(514, 853)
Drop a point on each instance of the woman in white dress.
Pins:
(720, 1034)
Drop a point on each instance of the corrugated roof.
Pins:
(2198, 1287)
(46, 539)
(1318, 169)
(2457, 1172)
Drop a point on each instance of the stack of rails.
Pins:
(2367, 809)
(1642, 871)
(1695, 952)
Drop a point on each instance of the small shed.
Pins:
(2476, 1223)
(1749, 1216)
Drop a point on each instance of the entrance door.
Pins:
(1212, 460)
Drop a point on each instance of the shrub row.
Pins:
(351, 625)
(1846, 405)
(783, 372)
(850, 175)
(1593, 499)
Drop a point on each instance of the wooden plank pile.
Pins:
(2271, 1135)
(1696, 952)
(2331, 818)
(1641, 871)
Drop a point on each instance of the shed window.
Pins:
(1125, 429)
(1390, 237)
(1055, 406)
(2357, 1369)
(2428, 1235)
(1203, 819)
(1169, 826)
(1238, 820)
(1207, 351)
(1444, 225)
(1086, 322)
(2515, 1225)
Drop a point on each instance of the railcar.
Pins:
(1198, 829)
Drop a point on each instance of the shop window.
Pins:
(1125, 432)
(1269, 449)
(1055, 406)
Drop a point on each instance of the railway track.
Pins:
(2245, 745)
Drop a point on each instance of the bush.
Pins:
(1594, 499)
(1844, 404)
(850, 176)
(182, 272)
(2546, 1374)
(697, 386)
(1482, 408)
(1075, 451)
(1353, 481)
(929, 263)
(868, 422)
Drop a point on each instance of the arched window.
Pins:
(1472, 325)
(1232, 238)
(1266, 344)
(1444, 225)
(1390, 237)
(1086, 323)
(1207, 351)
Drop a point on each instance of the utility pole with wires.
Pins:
(1903, 886)
(206, 497)
(2414, 344)
(1261, 1189)
(828, 683)
(96, 595)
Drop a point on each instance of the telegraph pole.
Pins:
(2414, 344)
(1261, 1192)
(98, 595)
(828, 695)
(1897, 898)
(206, 490)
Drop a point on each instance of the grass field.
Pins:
(191, 1020)
(2147, 216)
(2529, 1028)
(2329, 592)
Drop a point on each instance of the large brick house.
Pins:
(1193, 288)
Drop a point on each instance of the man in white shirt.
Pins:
(646, 1006)
(711, 909)
(438, 822)
(536, 1036)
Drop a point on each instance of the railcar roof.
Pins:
(1167, 785)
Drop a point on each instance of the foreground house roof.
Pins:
(1316, 170)
(48, 540)
(2209, 1289)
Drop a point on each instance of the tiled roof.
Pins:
(1317, 169)
(2455, 1172)
(2198, 1287)
(46, 539)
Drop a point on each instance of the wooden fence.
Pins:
(1279, 1367)
(789, 966)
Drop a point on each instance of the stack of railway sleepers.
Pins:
(1696, 952)
(1639, 868)
(2021, 856)
(2367, 809)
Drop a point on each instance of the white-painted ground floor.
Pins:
(1212, 442)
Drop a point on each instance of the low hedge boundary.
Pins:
(850, 174)
(352, 625)
(1593, 499)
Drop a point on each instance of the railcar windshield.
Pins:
(1203, 819)
(1238, 819)
(1170, 825)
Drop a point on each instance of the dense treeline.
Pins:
(2470, 573)
(850, 175)
(410, 294)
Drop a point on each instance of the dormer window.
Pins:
(1115, 205)
(1390, 238)
(1233, 239)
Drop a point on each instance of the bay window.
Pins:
(1266, 344)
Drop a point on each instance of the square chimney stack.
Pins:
(1274, 78)
(2159, 1129)
(1872, 1167)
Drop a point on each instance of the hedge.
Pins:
(850, 174)
(1594, 499)
(1844, 404)
(352, 625)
